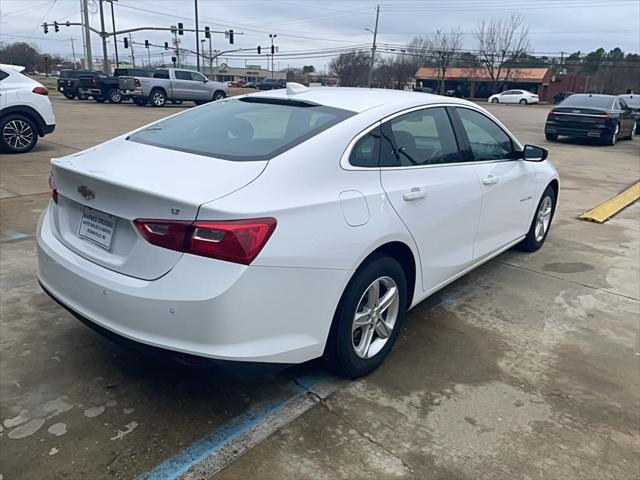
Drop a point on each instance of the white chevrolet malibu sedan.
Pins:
(288, 225)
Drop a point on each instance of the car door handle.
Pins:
(490, 180)
(414, 194)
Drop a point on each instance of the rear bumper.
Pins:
(593, 131)
(132, 93)
(90, 91)
(202, 307)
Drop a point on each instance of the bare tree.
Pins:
(352, 69)
(500, 41)
(444, 47)
(419, 52)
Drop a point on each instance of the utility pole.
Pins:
(210, 59)
(197, 38)
(373, 47)
(87, 33)
(73, 50)
(103, 35)
(133, 58)
(115, 40)
(271, 37)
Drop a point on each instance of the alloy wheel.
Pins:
(543, 218)
(375, 317)
(18, 134)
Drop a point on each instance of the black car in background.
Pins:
(69, 80)
(103, 87)
(633, 100)
(271, 84)
(560, 96)
(604, 117)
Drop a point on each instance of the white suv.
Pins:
(25, 110)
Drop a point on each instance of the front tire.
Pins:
(141, 102)
(218, 95)
(495, 100)
(114, 96)
(368, 318)
(157, 98)
(18, 134)
(541, 222)
(632, 132)
(551, 137)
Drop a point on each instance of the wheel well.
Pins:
(29, 113)
(158, 88)
(402, 253)
(555, 186)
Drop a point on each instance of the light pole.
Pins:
(271, 37)
(197, 38)
(203, 54)
(373, 46)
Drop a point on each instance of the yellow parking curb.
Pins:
(609, 208)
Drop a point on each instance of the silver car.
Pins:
(172, 84)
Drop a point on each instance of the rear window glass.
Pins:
(594, 101)
(242, 129)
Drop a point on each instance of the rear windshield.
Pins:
(69, 74)
(250, 128)
(632, 100)
(595, 101)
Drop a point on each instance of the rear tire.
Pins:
(141, 102)
(99, 98)
(523, 101)
(611, 141)
(70, 96)
(541, 222)
(18, 134)
(157, 98)
(114, 96)
(552, 137)
(366, 324)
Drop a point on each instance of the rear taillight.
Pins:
(238, 241)
(54, 190)
(40, 91)
(94, 81)
(136, 82)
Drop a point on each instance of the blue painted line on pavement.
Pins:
(16, 235)
(182, 461)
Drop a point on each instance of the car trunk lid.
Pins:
(102, 190)
(578, 116)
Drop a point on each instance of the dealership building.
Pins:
(477, 83)
(250, 73)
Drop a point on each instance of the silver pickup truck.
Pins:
(171, 84)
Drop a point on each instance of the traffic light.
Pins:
(126, 42)
(45, 27)
(231, 37)
(180, 29)
(166, 45)
(56, 27)
(146, 44)
(259, 50)
(207, 32)
(273, 49)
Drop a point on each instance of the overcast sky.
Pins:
(311, 27)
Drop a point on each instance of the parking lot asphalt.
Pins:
(528, 367)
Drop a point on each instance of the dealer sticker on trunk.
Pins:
(97, 226)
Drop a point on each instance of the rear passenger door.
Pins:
(508, 184)
(182, 85)
(435, 193)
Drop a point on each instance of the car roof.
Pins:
(359, 99)
(17, 68)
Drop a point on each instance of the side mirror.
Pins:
(532, 153)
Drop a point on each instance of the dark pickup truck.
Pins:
(69, 81)
(103, 87)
